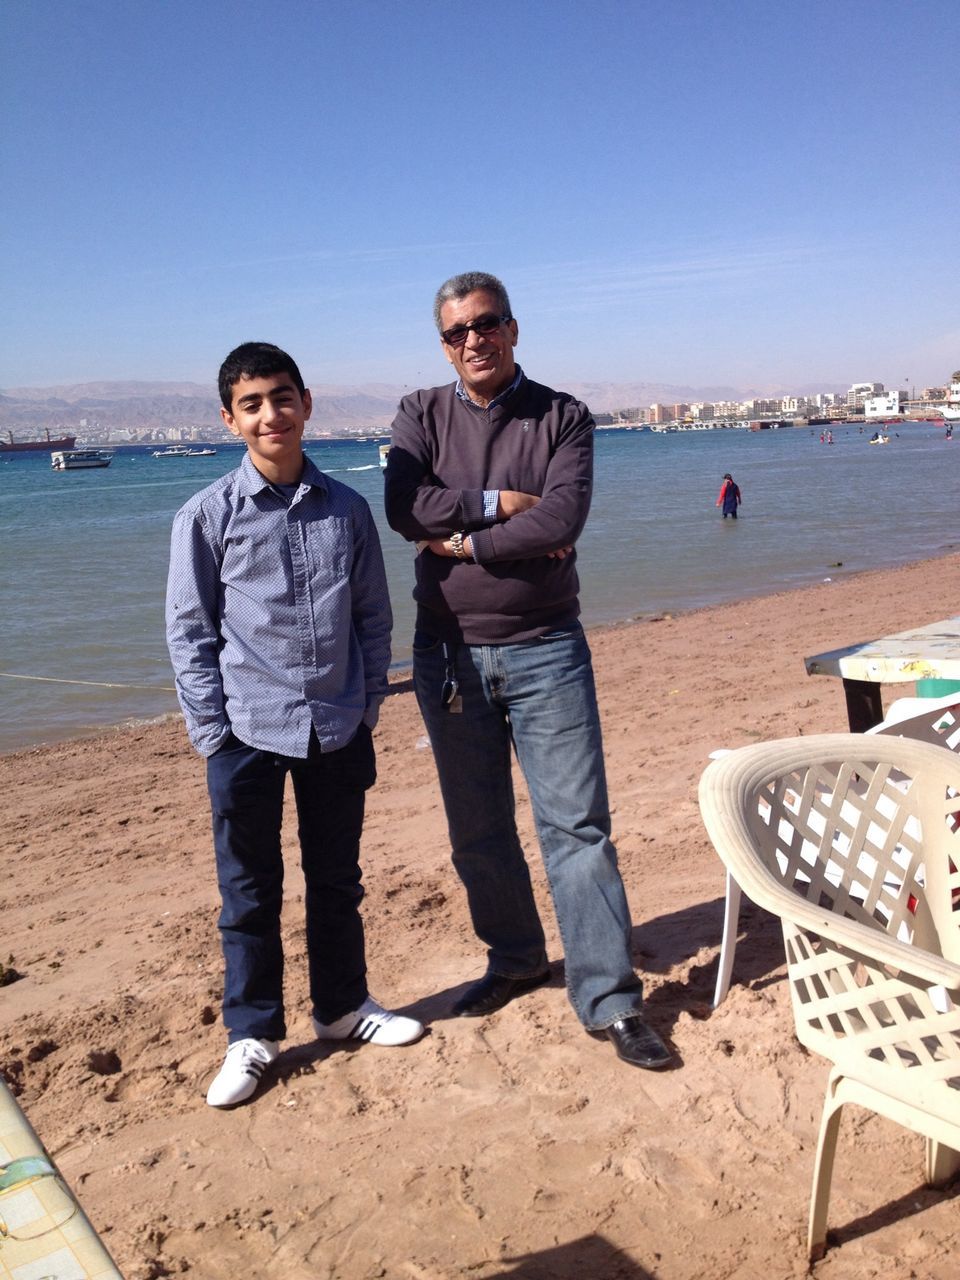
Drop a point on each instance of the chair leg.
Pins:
(823, 1170)
(942, 1163)
(731, 919)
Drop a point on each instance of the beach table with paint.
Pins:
(925, 655)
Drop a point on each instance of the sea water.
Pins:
(83, 554)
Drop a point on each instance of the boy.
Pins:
(278, 625)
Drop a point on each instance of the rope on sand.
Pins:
(97, 684)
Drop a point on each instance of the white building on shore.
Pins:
(888, 405)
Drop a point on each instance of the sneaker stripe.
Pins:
(371, 1025)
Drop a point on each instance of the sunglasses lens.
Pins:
(457, 336)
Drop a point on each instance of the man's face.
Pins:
(268, 415)
(484, 362)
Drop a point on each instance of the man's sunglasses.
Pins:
(457, 336)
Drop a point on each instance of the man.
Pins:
(278, 625)
(491, 476)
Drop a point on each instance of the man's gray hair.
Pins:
(458, 287)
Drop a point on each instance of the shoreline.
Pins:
(400, 672)
(510, 1146)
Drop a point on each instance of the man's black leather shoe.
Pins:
(639, 1044)
(493, 991)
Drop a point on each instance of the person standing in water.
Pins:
(729, 497)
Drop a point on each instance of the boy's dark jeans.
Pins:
(246, 797)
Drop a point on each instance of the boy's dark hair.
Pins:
(254, 360)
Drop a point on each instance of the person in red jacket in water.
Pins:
(729, 497)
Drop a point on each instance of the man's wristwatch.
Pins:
(456, 542)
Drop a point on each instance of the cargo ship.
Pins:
(36, 446)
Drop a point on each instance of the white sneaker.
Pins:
(371, 1023)
(240, 1074)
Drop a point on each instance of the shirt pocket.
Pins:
(328, 548)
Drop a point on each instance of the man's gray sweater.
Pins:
(444, 455)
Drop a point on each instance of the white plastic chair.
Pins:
(934, 720)
(873, 947)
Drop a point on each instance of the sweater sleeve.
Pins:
(417, 505)
(558, 518)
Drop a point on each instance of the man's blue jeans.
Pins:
(246, 797)
(539, 696)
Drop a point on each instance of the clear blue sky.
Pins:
(752, 192)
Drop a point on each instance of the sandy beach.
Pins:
(515, 1146)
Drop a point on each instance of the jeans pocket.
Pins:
(425, 643)
(353, 767)
(566, 633)
(228, 742)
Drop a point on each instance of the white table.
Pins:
(924, 653)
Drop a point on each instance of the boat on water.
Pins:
(36, 446)
(182, 451)
(877, 438)
(80, 459)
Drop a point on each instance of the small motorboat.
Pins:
(80, 459)
(184, 451)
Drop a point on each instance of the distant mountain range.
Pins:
(158, 406)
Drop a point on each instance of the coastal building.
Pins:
(760, 408)
(888, 405)
(620, 418)
(860, 391)
(797, 406)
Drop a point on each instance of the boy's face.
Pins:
(269, 415)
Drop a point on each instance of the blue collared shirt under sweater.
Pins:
(491, 497)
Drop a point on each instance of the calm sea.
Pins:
(83, 554)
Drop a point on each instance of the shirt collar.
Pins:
(497, 400)
(251, 481)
